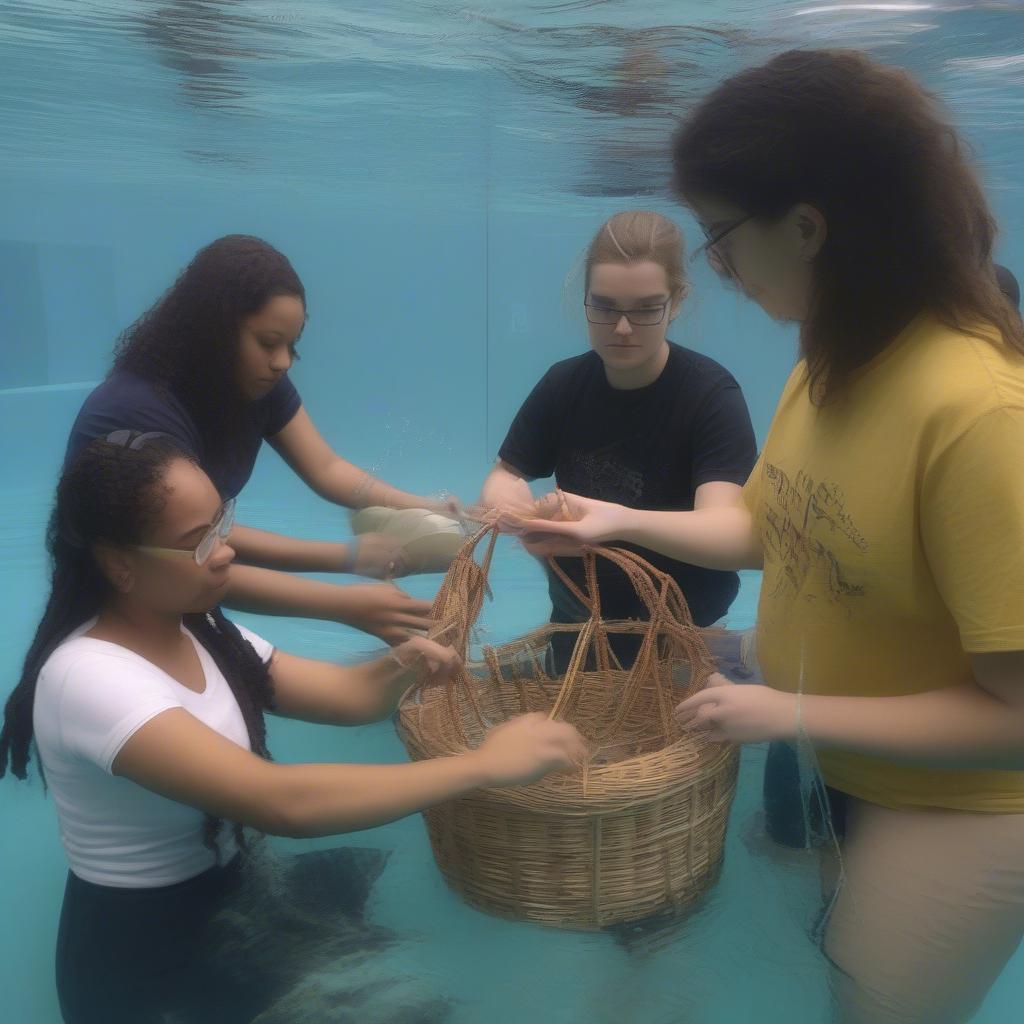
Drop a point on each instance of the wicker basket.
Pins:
(640, 830)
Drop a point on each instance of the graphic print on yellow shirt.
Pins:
(792, 507)
(892, 523)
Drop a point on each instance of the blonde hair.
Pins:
(636, 235)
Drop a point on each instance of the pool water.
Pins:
(434, 172)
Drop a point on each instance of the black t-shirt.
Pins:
(647, 448)
(125, 400)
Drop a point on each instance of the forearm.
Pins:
(322, 800)
(289, 554)
(503, 489)
(714, 538)
(960, 727)
(375, 689)
(346, 484)
(268, 592)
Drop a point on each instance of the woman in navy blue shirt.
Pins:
(208, 365)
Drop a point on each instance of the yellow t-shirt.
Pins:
(892, 522)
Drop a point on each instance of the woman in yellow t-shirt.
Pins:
(887, 511)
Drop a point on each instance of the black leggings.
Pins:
(130, 956)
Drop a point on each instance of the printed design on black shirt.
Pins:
(804, 524)
(599, 474)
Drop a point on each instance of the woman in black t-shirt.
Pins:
(637, 420)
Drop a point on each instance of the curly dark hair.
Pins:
(108, 494)
(909, 228)
(187, 343)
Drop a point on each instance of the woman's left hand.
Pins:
(567, 524)
(746, 713)
(428, 657)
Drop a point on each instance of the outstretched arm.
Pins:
(714, 536)
(303, 447)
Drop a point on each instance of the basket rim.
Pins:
(605, 789)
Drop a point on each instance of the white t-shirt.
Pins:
(91, 697)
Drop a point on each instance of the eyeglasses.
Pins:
(220, 529)
(647, 316)
(712, 241)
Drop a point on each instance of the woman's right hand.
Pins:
(566, 524)
(383, 610)
(525, 749)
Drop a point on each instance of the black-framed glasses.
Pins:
(219, 530)
(646, 316)
(711, 241)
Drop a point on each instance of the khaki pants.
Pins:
(931, 910)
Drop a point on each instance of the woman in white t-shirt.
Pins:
(146, 707)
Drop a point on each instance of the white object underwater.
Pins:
(429, 540)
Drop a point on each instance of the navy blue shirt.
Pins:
(125, 400)
(647, 448)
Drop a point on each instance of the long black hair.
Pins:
(187, 343)
(109, 493)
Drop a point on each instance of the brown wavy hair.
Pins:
(909, 228)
